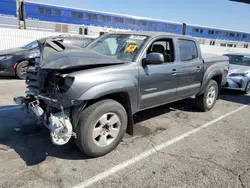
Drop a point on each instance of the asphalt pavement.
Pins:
(174, 145)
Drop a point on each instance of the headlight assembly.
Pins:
(238, 74)
(5, 57)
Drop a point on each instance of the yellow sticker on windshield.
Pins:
(131, 48)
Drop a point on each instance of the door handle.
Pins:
(174, 72)
(198, 69)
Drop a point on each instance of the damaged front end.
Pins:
(54, 90)
(44, 98)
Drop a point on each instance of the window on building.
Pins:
(196, 30)
(212, 42)
(105, 18)
(130, 22)
(188, 50)
(224, 33)
(218, 32)
(172, 27)
(77, 15)
(223, 44)
(245, 45)
(47, 11)
(80, 31)
(92, 17)
(211, 32)
(58, 12)
(232, 35)
(152, 24)
(85, 31)
(117, 20)
(142, 23)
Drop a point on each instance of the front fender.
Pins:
(112, 87)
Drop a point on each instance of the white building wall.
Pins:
(218, 50)
(11, 38)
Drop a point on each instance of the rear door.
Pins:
(191, 68)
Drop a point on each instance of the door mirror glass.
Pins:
(154, 58)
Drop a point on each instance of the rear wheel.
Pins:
(101, 127)
(21, 69)
(207, 100)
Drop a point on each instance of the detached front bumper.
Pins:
(51, 114)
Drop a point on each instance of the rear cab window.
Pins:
(187, 50)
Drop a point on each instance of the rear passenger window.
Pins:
(188, 50)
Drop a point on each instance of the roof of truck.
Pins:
(151, 34)
(237, 54)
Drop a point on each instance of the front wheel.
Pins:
(207, 100)
(101, 127)
(247, 89)
(21, 69)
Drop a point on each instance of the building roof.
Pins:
(241, 1)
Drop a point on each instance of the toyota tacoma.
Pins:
(92, 94)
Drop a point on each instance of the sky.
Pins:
(215, 13)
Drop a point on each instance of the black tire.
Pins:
(201, 100)
(247, 89)
(20, 69)
(87, 122)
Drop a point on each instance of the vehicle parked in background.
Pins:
(239, 72)
(93, 93)
(15, 61)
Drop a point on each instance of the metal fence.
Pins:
(11, 38)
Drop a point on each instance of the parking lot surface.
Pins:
(174, 146)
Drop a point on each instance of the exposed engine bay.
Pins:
(56, 119)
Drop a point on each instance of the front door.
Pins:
(158, 82)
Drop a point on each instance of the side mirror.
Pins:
(154, 58)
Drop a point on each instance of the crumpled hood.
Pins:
(238, 69)
(11, 51)
(58, 56)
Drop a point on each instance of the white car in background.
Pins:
(239, 72)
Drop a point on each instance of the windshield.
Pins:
(239, 60)
(120, 46)
(31, 45)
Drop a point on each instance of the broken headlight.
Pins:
(238, 74)
(64, 83)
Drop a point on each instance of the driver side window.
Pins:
(164, 47)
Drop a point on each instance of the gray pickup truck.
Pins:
(92, 94)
